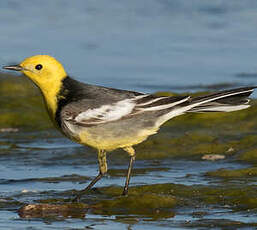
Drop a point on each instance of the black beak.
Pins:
(13, 67)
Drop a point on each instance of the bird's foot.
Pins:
(76, 199)
(125, 192)
(78, 196)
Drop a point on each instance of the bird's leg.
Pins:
(102, 170)
(132, 154)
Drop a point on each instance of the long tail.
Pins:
(225, 101)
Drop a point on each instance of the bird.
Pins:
(106, 118)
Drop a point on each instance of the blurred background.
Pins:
(146, 45)
(199, 172)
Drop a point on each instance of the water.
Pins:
(147, 45)
(141, 45)
(39, 168)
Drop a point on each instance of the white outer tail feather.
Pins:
(161, 107)
(221, 108)
(229, 108)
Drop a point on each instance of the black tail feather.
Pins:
(225, 101)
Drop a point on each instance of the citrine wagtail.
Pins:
(106, 118)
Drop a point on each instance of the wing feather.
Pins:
(124, 108)
(106, 113)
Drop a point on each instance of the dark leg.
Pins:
(102, 170)
(85, 190)
(131, 152)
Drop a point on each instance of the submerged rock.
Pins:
(213, 157)
(75, 210)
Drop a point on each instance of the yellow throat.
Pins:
(47, 73)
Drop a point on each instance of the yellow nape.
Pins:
(47, 73)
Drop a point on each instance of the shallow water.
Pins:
(153, 45)
(43, 165)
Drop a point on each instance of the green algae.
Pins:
(145, 200)
(244, 142)
(156, 201)
(190, 144)
(21, 104)
(237, 198)
(249, 156)
(234, 173)
(148, 204)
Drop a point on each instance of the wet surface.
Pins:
(171, 192)
(198, 172)
(149, 46)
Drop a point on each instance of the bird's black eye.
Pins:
(38, 67)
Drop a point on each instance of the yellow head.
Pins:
(43, 70)
(47, 73)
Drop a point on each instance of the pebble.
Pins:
(213, 157)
